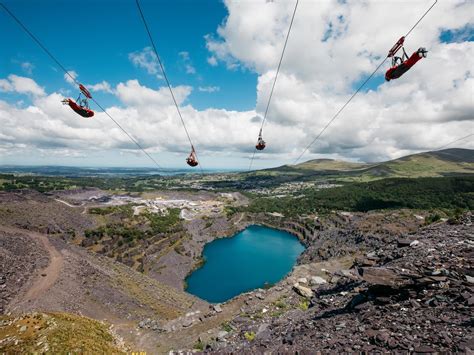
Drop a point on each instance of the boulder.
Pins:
(316, 280)
(187, 322)
(221, 335)
(217, 308)
(403, 242)
(302, 290)
(383, 276)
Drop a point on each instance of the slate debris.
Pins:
(413, 297)
(20, 258)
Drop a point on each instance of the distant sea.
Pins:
(69, 171)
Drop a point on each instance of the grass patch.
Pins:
(303, 305)
(447, 193)
(199, 346)
(226, 326)
(57, 333)
(250, 336)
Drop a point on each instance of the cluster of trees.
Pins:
(10, 182)
(103, 211)
(126, 231)
(422, 193)
(166, 223)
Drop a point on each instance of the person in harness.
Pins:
(192, 159)
(81, 105)
(400, 65)
(260, 142)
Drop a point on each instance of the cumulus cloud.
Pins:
(186, 61)
(21, 85)
(209, 88)
(333, 46)
(145, 59)
(148, 115)
(103, 86)
(71, 76)
(27, 67)
(134, 94)
(212, 61)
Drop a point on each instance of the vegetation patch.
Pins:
(250, 336)
(56, 333)
(448, 193)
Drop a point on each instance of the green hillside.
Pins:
(447, 162)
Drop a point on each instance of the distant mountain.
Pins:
(446, 162)
(330, 164)
(437, 163)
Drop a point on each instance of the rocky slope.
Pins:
(413, 292)
(378, 281)
(65, 278)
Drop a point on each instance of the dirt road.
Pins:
(48, 276)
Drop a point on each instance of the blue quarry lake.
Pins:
(250, 259)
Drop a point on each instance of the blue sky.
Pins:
(97, 46)
(325, 59)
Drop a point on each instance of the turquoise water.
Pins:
(249, 260)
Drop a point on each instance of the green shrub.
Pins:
(226, 326)
(250, 336)
(303, 305)
(199, 345)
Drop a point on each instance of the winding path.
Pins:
(72, 206)
(50, 272)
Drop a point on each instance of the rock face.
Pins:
(414, 297)
(303, 290)
(20, 258)
(316, 280)
(383, 276)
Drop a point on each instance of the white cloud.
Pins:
(333, 46)
(186, 61)
(209, 88)
(103, 86)
(148, 115)
(21, 85)
(145, 59)
(71, 76)
(27, 67)
(134, 94)
(212, 61)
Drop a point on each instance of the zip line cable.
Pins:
(376, 165)
(166, 78)
(276, 77)
(358, 90)
(457, 140)
(340, 110)
(75, 81)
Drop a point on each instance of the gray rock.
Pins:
(316, 280)
(383, 276)
(302, 290)
(217, 308)
(303, 280)
(187, 322)
(403, 242)
(221, 335)
(414, 243)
